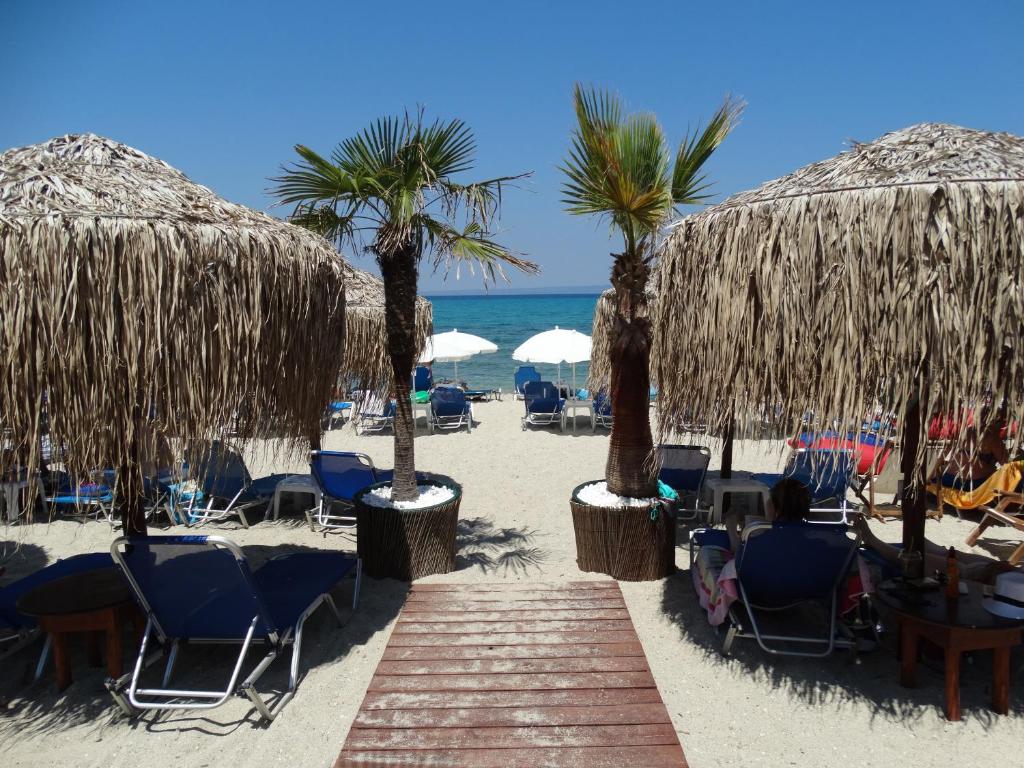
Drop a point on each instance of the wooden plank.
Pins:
(512, 682)
(501, 666)
(463, 627)
(529, 651)
(546, 615)
(663, 756)
(400, 640)
(515, 586)
(482, 597)
(484, 699)
(512, 738)
(511, 605)
(610, 714)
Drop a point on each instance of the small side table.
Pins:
(577, 405)
(719, 486)
(91, 601)
(12, 497)
(957, 626)
(423, 411)
(295, 484)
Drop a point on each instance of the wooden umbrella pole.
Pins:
(915, 498)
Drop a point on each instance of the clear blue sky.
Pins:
(224, 90)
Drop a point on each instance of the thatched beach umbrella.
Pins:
(890, 275)
(134, 302)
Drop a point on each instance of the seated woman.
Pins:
(976, 460)
(714, 569)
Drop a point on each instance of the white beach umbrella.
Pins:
(557, 346)
(453, 346)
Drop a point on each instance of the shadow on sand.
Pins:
(37, 708)
(870, 679)
(481, 544)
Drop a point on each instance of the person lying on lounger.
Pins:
(973, 567)
(976, 460)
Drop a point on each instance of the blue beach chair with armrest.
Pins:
(683, 469)
(602, 410)
(94, 498)
(227, 488)
(828, 475)
(784, 565)
(543, 404)
(375, 414)
(523, 375)
(340, 475)
(449, 408)
(200, 589)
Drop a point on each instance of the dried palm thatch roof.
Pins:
(134, 301)
(851, 282)
(366, 349)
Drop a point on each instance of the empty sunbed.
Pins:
(340, 475)
(200, 589)
(543, 404)
(375, 414)
(422, 379)
(683, 469)
(523, 375)
(602, 410)
(227, 488)
(449, 409)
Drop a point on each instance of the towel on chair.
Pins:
(1003, 480)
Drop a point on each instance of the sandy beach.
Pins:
(746, 710)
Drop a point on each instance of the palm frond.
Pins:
(688, 183)
(471, 247)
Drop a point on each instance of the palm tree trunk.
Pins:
(399, 271)
(628, 471)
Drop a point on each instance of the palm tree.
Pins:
(389, 191)
(620, 167)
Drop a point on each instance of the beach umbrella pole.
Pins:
(914, 501)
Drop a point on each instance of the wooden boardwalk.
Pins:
(513, 676)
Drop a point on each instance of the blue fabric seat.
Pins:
(423, 379)
(543, 403)
(199, 588)
(449, 408)
(827, 474)
(522, 376)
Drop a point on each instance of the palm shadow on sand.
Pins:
(479, 543)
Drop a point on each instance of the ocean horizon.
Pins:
(509, 319)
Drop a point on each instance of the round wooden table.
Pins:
(92, 601)
(955, 626)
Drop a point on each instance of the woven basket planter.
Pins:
(624, 542)
(407, 543)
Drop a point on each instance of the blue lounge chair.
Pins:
(200, 589)
(18, 630)
(683, 469)
(781, 566)
(337, 411)
(827, 474)
(602, 410)
(423, 379)
(523, 375)
(95, 498)
(340, 475)
(227, 488)
(543, 404)
(449, 408)
(376, 413)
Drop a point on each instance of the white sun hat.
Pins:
(1008, 597)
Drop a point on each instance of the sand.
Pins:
(746, 710)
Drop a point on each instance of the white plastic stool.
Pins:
(296, 484)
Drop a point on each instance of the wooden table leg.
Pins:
(908, 656)
(115, 650)
(1001, 680)
(61, 661)
(952, 682)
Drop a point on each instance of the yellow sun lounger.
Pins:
(1004, 480)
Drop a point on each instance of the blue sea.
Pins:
(509, 320)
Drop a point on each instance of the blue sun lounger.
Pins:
(449, 408)
(523, 375)
(543, 404)
(227, 488)
(200, 589)
(683, 469)
(827, 474)
(340, 475)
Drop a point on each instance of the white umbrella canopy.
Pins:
(453, 346)
(557, 346)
